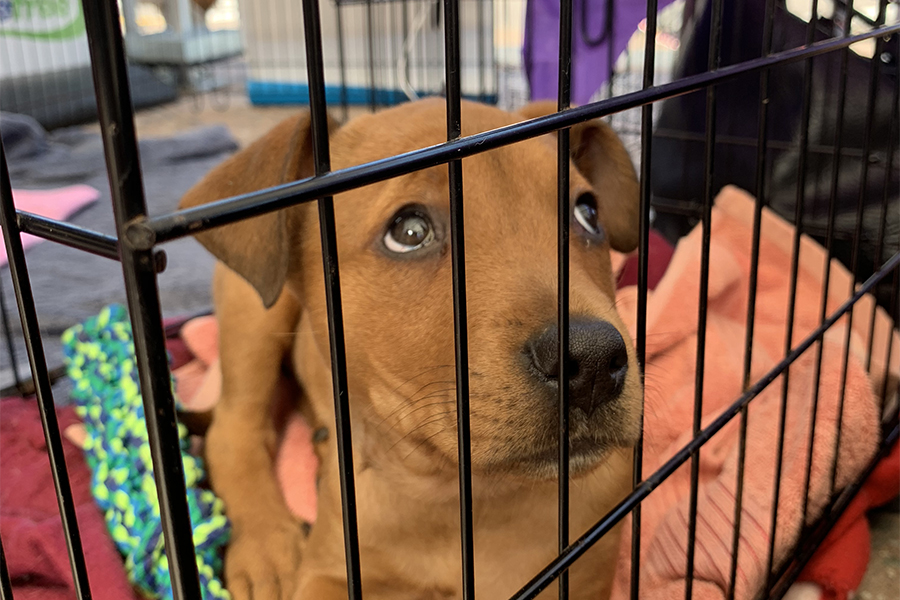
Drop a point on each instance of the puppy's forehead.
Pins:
(526, 170)
(408, 127)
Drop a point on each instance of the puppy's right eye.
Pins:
(409, 230)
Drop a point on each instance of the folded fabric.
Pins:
(59, 204)
(672, 318)
(32, 533)
(197, 388)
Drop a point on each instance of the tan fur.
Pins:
(398, 321)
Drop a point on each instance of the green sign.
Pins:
(52, 20)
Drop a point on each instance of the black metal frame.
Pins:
(138, 236)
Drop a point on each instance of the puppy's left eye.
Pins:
(586, 215)
(409, 230)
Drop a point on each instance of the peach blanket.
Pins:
(672, 318)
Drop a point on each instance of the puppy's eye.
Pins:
(586, 215)
(409, 230)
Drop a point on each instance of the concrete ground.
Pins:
(246, 123)
(882, 580)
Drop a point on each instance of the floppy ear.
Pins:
(258, 249)
(599, 155)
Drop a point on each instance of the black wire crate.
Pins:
(759, 283)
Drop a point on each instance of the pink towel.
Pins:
(671, 360)
(59, 204)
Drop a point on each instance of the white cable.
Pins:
(418, 23)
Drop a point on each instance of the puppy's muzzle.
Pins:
(598, 362)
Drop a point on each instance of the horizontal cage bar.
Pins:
(68, 235)
(78, 238)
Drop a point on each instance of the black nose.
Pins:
(597, 365)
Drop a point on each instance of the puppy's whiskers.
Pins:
(417, 406)
(444, 402)
(414, 377)
(430, 420)
(411, 402)
(423, 441)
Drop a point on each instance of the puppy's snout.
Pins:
(598, 362)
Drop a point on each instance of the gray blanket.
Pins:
(70, 285)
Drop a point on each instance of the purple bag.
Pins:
(592, 40)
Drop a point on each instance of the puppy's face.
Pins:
(396, 281)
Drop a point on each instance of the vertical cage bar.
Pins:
(10, 344)
(792, 299)
(6, 62)
(888, 350)
(424, 64)
(492, 61)
(124, 170)
(45, 97)
(885, 202)
(370, 40)
(405, 49)
(388, 61)
(279, 59)
(564, 99)
(482, 68)
(895, 315)
(643, 279)
(739, 6)
(321, 155)
(892, 306)
(457, 237)
(715, 29)
(762, 137)
(504, 4)
(282, 24)
(5, 585)
(857, 235)
(342, 62)
(829, 251)
(265, 55)
(18, 271)
(610, 35)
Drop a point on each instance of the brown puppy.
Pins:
(393, 244)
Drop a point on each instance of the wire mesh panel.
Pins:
(45, 65)
(375, 53)
(795, 102)
(46, 41)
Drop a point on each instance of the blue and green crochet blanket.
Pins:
(100, 360)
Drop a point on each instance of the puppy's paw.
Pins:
(262, 560)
